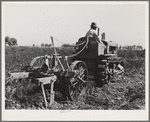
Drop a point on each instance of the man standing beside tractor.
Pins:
(92, 33)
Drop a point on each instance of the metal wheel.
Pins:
(76, 83)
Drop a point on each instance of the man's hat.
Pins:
(94, 25)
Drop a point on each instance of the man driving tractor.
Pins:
(92, 33)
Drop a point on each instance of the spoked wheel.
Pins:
(76, 83)
(38, 62)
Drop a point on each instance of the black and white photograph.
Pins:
(75, 60)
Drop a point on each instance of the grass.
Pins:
(127, 92)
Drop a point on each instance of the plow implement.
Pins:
(48, 69)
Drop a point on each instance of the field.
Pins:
(126, 92)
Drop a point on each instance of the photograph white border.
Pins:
(78, 115)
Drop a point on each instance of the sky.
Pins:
(35, 22)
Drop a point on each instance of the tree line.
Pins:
(46, 45)
(67, 45)
(13, 42)
(133, 47)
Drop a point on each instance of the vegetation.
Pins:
(126, 92)
(10, 41)
(133, 47)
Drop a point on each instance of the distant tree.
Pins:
(134, 47)
(33, 45)
(119, 47)
(10, 41)
(42, 45)
(46, 45)
(6, 39)
(129, 47)
(139, 47)
(14, 41)
(49, 45)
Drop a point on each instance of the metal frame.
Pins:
(48, 80)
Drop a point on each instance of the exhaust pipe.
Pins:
(98, 31)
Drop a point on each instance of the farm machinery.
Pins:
(101, 61)
(88, 59)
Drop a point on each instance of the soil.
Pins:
(125, 92)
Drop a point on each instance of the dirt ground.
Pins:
(125, 92)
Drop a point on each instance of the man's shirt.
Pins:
(92, 33)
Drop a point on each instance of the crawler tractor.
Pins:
(101, 62)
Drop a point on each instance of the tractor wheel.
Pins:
(105, 76)
(76, 83)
